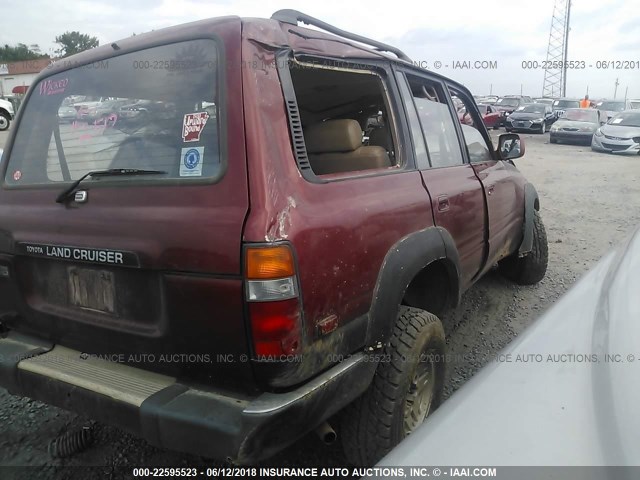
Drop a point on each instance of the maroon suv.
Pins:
(270, 244)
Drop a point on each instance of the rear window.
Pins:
(154, 109)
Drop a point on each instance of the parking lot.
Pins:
(589, 203)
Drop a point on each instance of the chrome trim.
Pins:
(268, 403)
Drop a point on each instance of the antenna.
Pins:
(555, 79)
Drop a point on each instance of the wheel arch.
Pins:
(531, 204)
(405, 264)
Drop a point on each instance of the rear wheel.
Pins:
(407, 386)
(5, 121)
(532, 267)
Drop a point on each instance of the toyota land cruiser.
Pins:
(267, 246)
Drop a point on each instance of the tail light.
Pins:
(274, 305)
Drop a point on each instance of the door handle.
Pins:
(443, 203)
(490, 189)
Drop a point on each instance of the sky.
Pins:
(505, 32)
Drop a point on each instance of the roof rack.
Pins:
(294, 16)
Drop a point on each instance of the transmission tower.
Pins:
(555, 79)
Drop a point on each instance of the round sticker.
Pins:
(191, 158)
(17, 175)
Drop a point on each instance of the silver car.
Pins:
(621, 134)
(564, 393)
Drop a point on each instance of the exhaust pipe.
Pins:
(326, 433)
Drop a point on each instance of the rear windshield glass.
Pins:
(154, 109)
(581, 115)
(532, 109)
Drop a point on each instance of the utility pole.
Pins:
(491, 89)
(615, 92)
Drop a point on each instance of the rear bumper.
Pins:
(173, 415)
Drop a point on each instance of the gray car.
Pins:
(621, 134)
(612, 107)
(561, 104)
(577, 125)
(563, 394)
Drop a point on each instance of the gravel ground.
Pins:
(589, 202)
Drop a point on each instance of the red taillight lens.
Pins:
(275, 327)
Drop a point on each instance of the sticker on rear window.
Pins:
(53, 87)
(191, 162)
(193, 125)
(617, 120)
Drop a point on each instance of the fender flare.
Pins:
(531, 203)
(401, 264)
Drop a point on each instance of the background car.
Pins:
(509, 103)
(103, 109)
(577, 125)
(67, 114)
(612, 106)
(561, 104)
(534, 117)
(7, 113)
(487, 100)
(491, 117)
(634, 104)
(571, 371)
(621, 134)
(545, 100)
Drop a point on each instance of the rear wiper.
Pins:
(110, 172)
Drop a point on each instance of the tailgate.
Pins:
(143, 267)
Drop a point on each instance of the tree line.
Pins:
(69, 43)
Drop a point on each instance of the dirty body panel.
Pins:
(166, 247)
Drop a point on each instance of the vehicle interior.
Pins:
(345, 119)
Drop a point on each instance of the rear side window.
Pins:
(154, 109)
(345, 119)
(436, 121)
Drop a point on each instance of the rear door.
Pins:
(502, 183)
(141, 263)
(457, 198)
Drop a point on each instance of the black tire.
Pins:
(532, 267)
(5, 121)
(508, 130)
(378, 420)
(553, 140)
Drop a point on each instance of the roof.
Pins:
(265, 31)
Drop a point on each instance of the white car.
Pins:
(6, 114)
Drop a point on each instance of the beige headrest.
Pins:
(333, 136)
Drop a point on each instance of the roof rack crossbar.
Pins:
(294, 16)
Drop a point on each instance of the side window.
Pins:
(436, 121)
(478, 148)
(420, 148)
(345, 119)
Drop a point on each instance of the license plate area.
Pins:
(92, 289)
